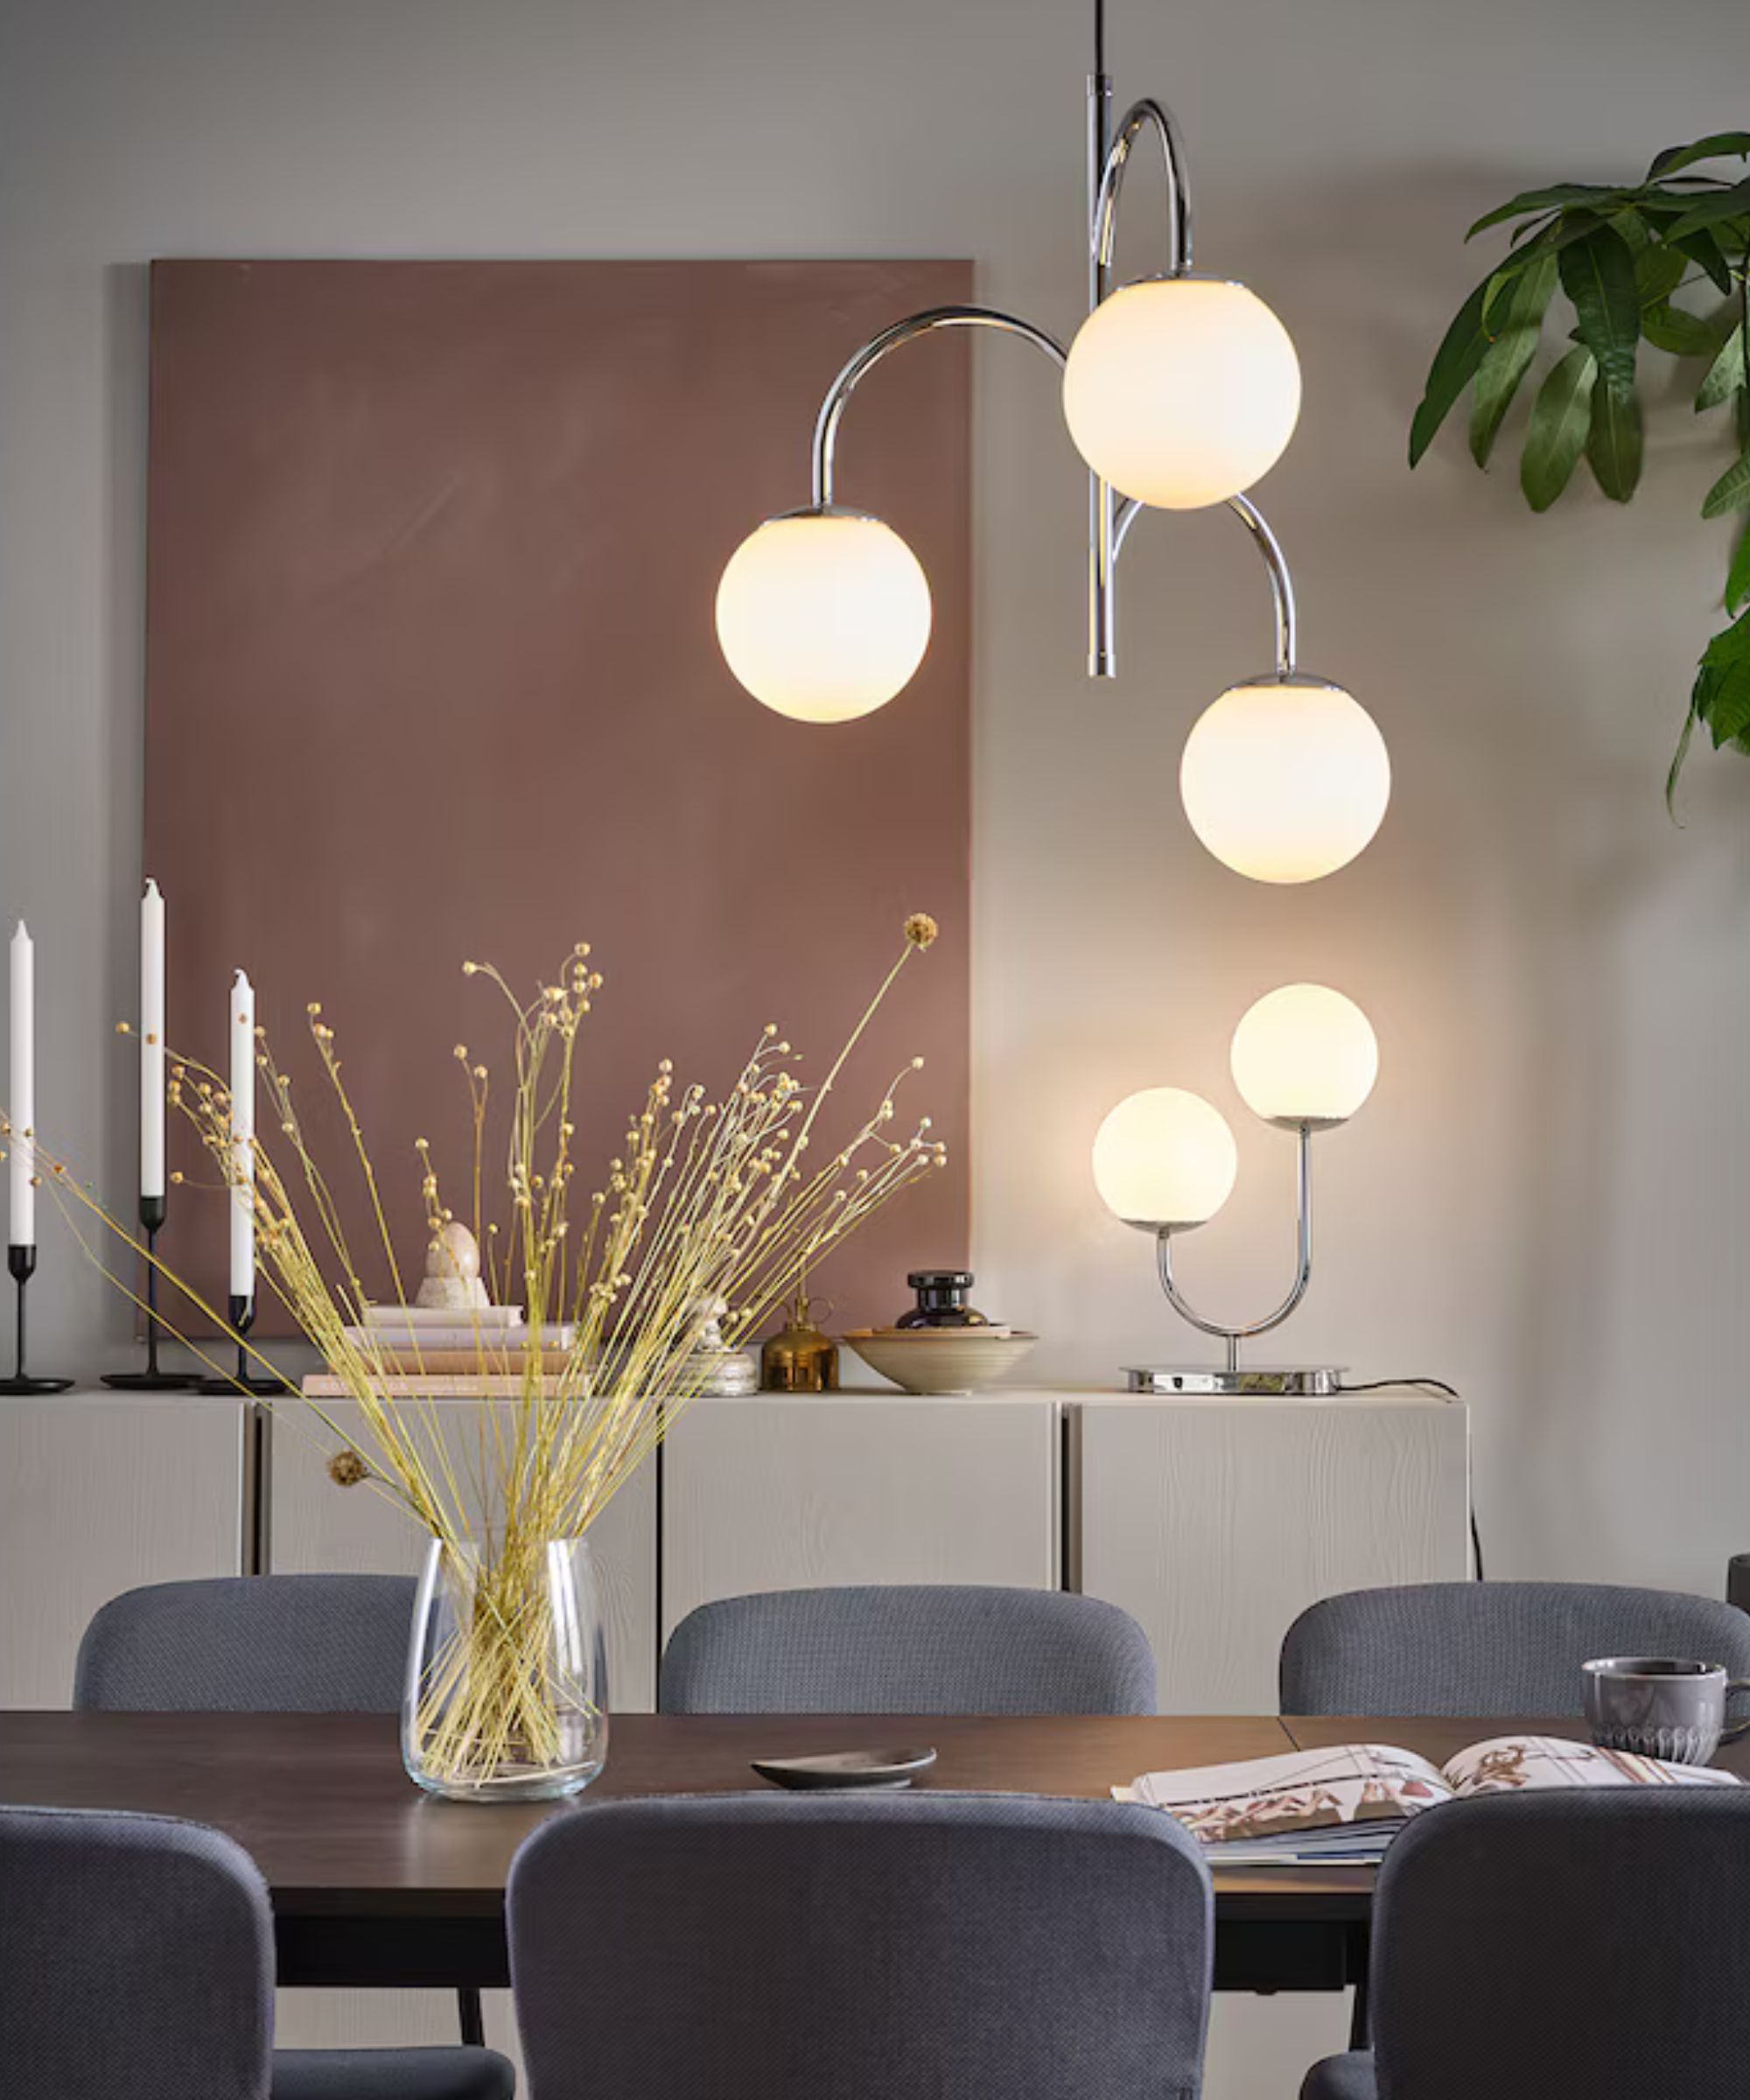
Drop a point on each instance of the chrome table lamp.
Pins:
(1304, 1059)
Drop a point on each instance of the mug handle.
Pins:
(1730, 1734)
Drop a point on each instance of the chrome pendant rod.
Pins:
(1302, 1274)
(1102, 537)
(1269, 552)
(1145, 116)
(914, 325)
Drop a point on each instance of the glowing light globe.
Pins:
(1164, 1160)
(1284, 780)
(1182, 391)
(823, 615)
(1305, 1054)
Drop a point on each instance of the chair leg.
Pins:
(1358, 2018)
(472, 2017)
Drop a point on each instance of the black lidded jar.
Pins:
(942, 1300)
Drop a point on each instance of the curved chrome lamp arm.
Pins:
(1269, 552)
(1147, 115)
(914, 325)
(1302, 1274)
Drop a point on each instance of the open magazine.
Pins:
(1343, 1806)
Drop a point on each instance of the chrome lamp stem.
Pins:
(1231, 1378)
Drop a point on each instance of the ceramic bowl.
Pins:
(941, 1360)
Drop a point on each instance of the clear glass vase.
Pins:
(506, 1673)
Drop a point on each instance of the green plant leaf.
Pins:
(1555, 196)
(1497, 382)
(1725, 375)
(1614, 442)
(1513, 317)
(1681, 333)
(1737, 577)
(1710, 210)
(1719, 700)
(1561, 420)
(1658, 271)
(1682, 750)
(1715, 146)
(1730, 492)
(1724, 707)
(1462, 349)
(1702, 247)
(1597, 274)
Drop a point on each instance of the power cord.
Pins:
(1426, 1385)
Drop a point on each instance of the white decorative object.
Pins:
(22, 1090)
(726, 1373)
(452, 1281)
(243, 1038)
(152, 1044)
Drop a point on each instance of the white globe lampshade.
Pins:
(1164, 1159)
(1182, 391)
(1284, 780)
(1305, 1054)
(823, 615)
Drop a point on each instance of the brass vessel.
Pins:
(799, 1358)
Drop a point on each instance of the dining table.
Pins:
(375, 1883)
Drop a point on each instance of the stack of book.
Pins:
(438, 1341)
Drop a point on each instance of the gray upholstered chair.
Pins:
(255, 1644)
(922, 1649)
(136, 1960)
(1490, 1647)
(776, 1946)
(250, 1644)
(1559, 1946)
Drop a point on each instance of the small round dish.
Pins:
(843, 1768)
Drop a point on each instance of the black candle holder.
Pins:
(22, 1262)
(242, 1317)
(153, 1212)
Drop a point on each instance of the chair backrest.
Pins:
(772, 1947)
(1565, 1946)
(250, 1643)
(921, 1649)
(135, 1959)
(1490, 1647)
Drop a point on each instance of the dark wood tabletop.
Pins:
(375, 1881)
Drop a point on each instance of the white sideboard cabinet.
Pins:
(1212, 1522)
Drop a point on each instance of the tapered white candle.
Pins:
(242, 1137)
(152, 1043)
(21, 1079)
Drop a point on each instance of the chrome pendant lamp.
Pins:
(1180, 392)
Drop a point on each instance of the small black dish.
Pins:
(846, 1768)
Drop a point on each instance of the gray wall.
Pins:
(1543, 1203)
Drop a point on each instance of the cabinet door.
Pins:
(99, 1493)
(1216, 1522)
(773, 1493)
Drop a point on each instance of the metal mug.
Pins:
(1660, 1706)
